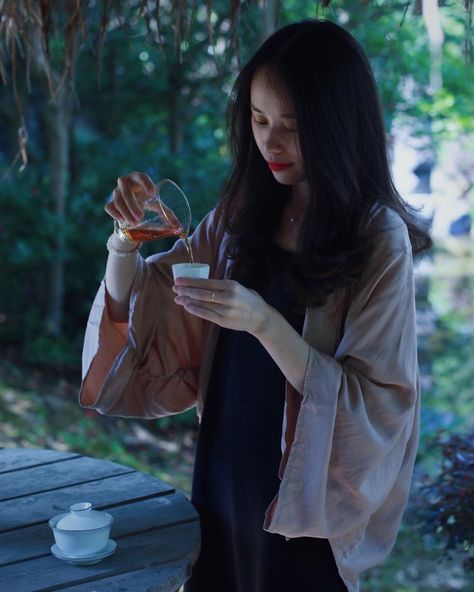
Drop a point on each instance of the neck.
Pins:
(298, 203)
(300, 194)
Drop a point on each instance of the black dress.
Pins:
(236, 467)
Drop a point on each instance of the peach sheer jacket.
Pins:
(349, 439)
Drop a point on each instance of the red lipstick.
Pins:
(278, 166)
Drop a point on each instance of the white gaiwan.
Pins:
(81, 532)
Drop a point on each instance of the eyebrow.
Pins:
(285, 115)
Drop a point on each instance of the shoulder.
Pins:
(388, 232)
(390, 262)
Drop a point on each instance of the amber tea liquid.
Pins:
(141, 235)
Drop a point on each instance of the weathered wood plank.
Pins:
(168, 578)
(158, 512)
(12, 459)
(30, 481)
(158, 547)
(34, 509)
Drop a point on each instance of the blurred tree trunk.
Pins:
(57, 121)
(58, 117)
(176, 120)
(269, 18)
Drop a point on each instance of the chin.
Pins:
(287, 178)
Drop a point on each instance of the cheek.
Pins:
(296, 148)
(256, 137)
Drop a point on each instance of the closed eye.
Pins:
(262, 122)
(259, 121)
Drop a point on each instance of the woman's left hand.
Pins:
(224, 302)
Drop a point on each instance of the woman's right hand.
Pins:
(126, 203)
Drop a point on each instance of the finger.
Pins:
(193, 282)
(135, 207)
(122, 206)
(113, 207)
(114, 212)
(201, 295)
(128, 197)
(214, 313)
(144, 182)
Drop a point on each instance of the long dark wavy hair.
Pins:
(327, 76)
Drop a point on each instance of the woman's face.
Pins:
(275, 132)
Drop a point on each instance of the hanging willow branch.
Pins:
(28, 27)
(76, 22)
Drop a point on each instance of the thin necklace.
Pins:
(295, 218)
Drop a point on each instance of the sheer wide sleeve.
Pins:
(148, 367)
(358, 410)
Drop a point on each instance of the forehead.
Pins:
(266, 94)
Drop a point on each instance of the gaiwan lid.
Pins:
(83, 517)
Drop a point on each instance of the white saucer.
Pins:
(110, 547)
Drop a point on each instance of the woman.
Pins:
(300, 352)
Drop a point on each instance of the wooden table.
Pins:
(155, 527)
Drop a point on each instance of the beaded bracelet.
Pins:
(118, 252)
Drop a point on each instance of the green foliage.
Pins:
(414, 566)
(47, 350)
(149, 111)
(446, 502)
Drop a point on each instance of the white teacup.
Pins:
(192, 270)
(81, 532)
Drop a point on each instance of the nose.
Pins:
(272, 141)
